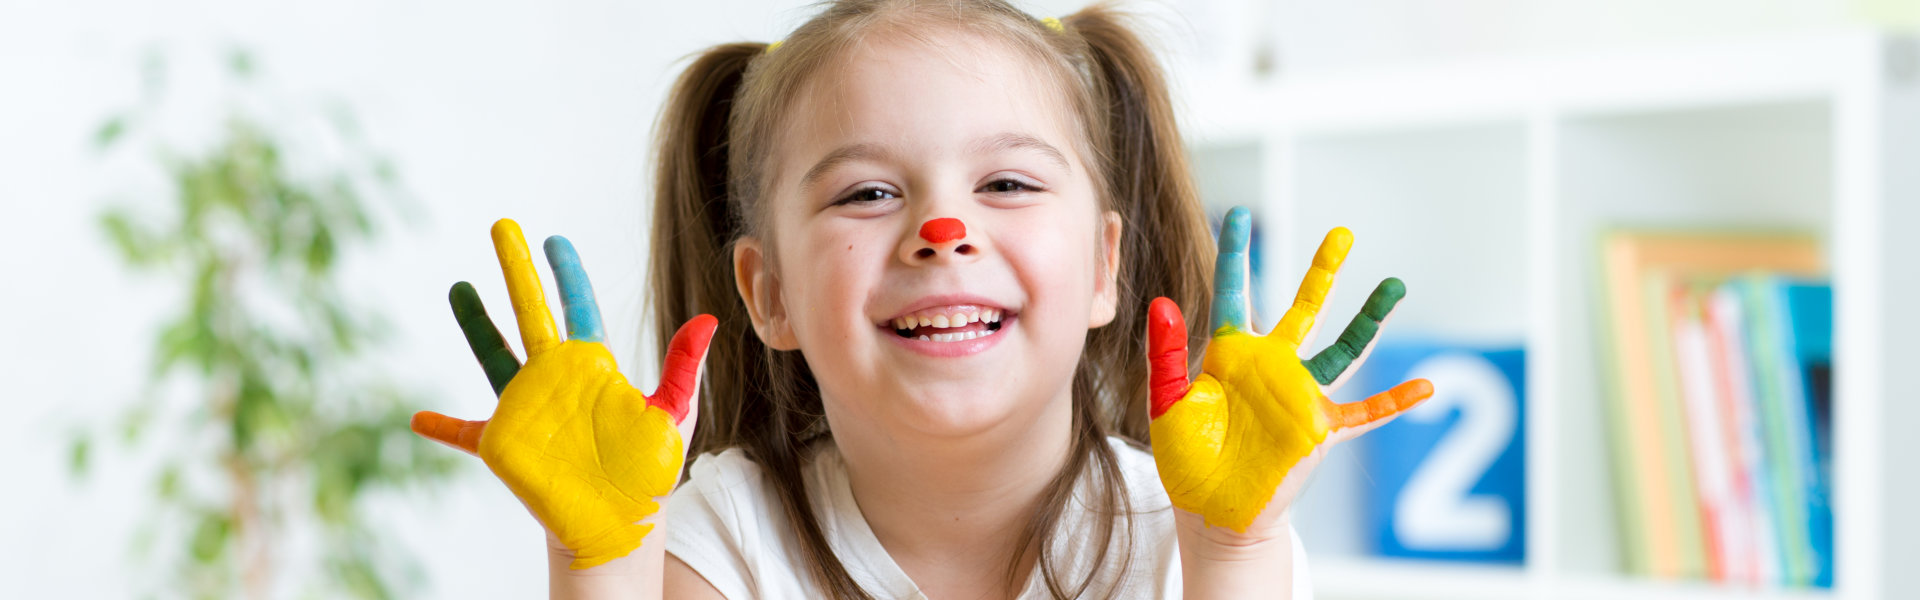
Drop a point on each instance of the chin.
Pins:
(957, 410)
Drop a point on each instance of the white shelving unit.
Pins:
(1484, 185)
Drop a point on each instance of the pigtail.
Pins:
(1164, 248)
(752, 397)
(691, 268)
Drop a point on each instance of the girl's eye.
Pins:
(1007, 186)
(862, 195)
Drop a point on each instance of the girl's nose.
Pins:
(945, 237)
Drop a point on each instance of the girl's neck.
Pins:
(956, 506)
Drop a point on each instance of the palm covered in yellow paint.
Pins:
(585, 451)
(1238, 441)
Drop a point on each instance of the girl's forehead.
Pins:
(938, 89)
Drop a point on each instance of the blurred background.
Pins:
(230, 227)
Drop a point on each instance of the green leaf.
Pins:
(210, 537)
(320, 250)
(135, 246)
(167, 485)
(179, 341)
(78, 454)
(110, 132)
(385, 172)
(240, 64)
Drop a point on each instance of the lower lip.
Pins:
(953, 349)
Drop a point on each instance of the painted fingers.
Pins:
(1314, 287)
(1353, 343)
(680, 372)
(576, 292)
(459, 434)
(1166, 355)
(1232, 306)
(530, 310)
(537, 332)
(489, 347)
(1376, 411)
(496, 359)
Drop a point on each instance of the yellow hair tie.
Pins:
(1054, 24)
(775, 46)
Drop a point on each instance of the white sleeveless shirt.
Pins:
(727, 523)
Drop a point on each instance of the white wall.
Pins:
(528, 110)
(538, 111)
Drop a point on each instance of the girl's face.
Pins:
(900, 133)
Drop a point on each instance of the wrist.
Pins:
(636, 575)
(1267, 535)
(562, 557)
(1218, 562)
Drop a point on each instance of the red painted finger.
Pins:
(680, 371)
(1383, 405)
(1166, 355)
(459, 434)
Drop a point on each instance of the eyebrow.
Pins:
(845, 154)
(1007, 142)
(993, 144)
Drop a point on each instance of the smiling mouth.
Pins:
(953, 324)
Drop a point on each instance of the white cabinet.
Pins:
(1484, 187)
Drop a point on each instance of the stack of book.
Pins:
(1720, 351)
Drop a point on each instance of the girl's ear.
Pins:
(760, 291)
(1106, 287)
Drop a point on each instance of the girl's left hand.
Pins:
(1236, 445)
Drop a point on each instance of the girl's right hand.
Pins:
(587, 453)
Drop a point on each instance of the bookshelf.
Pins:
(1483, 185)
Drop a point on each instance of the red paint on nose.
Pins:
(943, 230)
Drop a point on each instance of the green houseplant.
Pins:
(271, 423)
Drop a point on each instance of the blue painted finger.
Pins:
(576, 292)
(1230, 300)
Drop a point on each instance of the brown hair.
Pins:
(717, 134)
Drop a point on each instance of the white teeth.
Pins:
(955, 337)
(956, 319)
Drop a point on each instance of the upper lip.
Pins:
(940, 301)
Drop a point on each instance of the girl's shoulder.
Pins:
(729, 523)
(1141, 474)
(726, 523)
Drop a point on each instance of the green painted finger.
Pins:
(488, 345)
(1331, 362)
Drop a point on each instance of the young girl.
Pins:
(926, 233)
